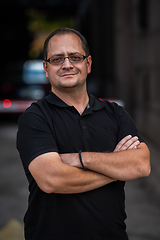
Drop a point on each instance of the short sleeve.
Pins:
(34, 137)
(126, 125)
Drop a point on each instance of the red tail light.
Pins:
(7, 103)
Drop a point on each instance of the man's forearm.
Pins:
(86, 181)
(130, 160)
(53, 176)
(124, 165)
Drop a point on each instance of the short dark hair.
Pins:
(62, 31)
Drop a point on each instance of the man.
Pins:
(77, 152)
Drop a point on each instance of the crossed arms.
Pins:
(63, 173)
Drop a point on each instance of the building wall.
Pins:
(137, 30)
(124, 70)
(147, 67)
(95, 22)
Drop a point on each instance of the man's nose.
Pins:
(67, 63)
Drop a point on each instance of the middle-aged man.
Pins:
(77, 152)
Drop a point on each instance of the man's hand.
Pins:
(127, 143)
(71, 159)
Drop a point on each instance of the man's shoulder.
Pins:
(35, 106)
(111, 106)
(34, 109)
(37, 110)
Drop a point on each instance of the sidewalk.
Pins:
(154, 179)
(13, 230)
(143, 202)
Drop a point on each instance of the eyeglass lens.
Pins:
(60, 59)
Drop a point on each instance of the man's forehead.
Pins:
(73, 41)
(63, 35)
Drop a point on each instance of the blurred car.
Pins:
(18, 92)
(21, 88)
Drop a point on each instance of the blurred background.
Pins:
(124, 40)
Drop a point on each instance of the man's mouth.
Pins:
(67, 74)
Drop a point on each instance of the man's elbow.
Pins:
(146, 166)
(146, 171)
(49, 186)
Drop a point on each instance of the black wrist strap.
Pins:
(80, 158)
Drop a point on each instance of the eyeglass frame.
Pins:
(84, 57)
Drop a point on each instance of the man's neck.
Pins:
(72, 98)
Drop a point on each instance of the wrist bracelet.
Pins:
(80, 158)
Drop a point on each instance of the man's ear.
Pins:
(89, 64)
(45, 68)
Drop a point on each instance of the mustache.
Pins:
(61, 74)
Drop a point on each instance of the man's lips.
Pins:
(67, 74)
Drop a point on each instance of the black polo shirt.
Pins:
(50, 125)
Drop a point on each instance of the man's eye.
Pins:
(76, 58)
(56, 59)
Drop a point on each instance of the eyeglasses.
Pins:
(76, 58)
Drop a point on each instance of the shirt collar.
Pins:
(94, 104)
(54, 99)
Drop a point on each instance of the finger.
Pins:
(122, 142)
(134, 145)
(131, 142)
(127, 143)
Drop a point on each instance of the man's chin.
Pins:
(69, 84)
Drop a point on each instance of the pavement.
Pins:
(142, 195)
(13, 230)
(143, 202)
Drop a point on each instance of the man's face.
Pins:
(66, 75)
